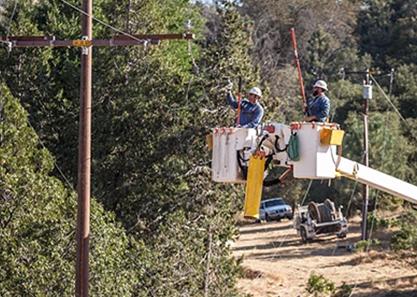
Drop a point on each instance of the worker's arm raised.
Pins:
(231, 100)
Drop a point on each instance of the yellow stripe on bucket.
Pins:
(254, 186)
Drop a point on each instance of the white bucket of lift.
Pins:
(226, 144)
(317, 160)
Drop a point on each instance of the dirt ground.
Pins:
(277, 264)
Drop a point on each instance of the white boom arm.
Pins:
(377, 180)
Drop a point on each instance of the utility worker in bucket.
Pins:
(318, 106)
(250, 111)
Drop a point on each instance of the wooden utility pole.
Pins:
(84, 138)
(367, 95)
(84, 155)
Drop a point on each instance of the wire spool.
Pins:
(322, 212)
(325, 213)
(313, 209)
(330, 205)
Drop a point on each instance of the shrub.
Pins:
(364, 245)
(318, 285)
(406, 236)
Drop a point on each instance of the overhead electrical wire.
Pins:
(11, 18)
(40, 141)
(102, 22)
(193, 62)
(388, 99)
(8, 43)
(281, 242)
(55, 163)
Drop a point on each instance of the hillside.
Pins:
(277, 264)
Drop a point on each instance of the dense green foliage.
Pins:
(37, 219)
(318, 285)
(406, 237)
(159, 225)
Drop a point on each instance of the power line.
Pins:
(11, 18)
(8, 43)
(306, 193)
(388, 99)
(45, 148)
(102, 22)
(55, 163)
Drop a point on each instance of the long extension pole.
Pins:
(300, 76)
(84, 157)
(239, 101)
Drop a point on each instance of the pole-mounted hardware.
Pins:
(117, 40)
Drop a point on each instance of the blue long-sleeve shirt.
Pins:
(250, 113)
(319, 107)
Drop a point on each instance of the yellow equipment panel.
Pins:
(209, 141)
(82, 43)
(331, 136)
(254, 186)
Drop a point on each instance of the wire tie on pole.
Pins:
(9, 46)
(52, 41)
(188, 27)
(84, 48)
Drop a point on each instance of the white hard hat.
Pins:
(256, 91)
(321, 84)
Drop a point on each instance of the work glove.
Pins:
(229, 86)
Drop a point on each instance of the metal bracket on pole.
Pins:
(145, 44)
(52, 41)
(9, 46)
(85, 43)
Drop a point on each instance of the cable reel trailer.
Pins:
(315, 219)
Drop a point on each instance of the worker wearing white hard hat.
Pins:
(255, 91)
(318, 106)
(250, 112)
(321, 84)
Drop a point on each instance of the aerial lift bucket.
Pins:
(254, 185)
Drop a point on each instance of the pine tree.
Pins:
(387, 31)
(37, 222)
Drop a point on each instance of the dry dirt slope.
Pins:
(277, 264)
